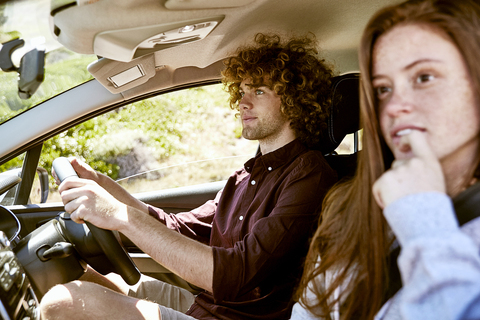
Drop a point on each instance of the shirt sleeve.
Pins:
(277, 243)
(439, 264)
(195, 224)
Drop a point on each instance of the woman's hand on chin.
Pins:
(420, 172)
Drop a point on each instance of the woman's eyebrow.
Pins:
(420, 61)
(409, 66)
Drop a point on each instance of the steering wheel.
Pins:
(106, 240)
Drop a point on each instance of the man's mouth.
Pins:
(247, 119)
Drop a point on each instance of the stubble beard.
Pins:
(268, 129)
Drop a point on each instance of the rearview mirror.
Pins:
(32, 67)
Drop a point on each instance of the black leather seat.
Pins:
(344, 119)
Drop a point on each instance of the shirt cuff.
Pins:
(421, 215)
(157, 213)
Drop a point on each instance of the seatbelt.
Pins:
(467, 208)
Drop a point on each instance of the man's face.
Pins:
(260, 114)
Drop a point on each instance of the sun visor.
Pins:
(119, 76)
(204, 4)
(128, 44)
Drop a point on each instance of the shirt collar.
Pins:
(277, 158)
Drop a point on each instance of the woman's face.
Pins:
(422, 83)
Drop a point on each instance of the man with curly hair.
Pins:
(294, 73)
(252, 238)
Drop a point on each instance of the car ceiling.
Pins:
(338, 25)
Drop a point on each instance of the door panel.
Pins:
(171, 200)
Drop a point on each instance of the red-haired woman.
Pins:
(420, 110)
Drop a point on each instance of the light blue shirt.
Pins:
(439, 262)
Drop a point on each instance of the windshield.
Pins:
(28, 20)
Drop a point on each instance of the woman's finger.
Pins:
(419, 146)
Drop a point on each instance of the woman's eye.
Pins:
(424, 78)
(242, 94)
(258, 92)
(382, 91)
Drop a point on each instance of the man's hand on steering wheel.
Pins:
(85, 200)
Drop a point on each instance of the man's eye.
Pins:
(424, 78)
(258, 91)
(242, 94)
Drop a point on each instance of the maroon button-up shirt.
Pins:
(258, 227)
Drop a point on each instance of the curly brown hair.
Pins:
(294, 72)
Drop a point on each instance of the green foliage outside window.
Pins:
(162, 127)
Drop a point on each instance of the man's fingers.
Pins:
(77, 166)
(54, 175)
(83, 170)
(75, 216)
(73, 182)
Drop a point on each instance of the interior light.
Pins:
(189, 28)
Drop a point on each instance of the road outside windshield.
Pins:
(28, 20)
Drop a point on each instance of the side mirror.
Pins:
(31, 73)
(10, 179)
(43, 186)
(32, 67)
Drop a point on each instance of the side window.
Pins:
(176, 139)
(351, 143)
(11, 168)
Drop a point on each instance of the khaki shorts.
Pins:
(173, 301)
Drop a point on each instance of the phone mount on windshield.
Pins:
(31, 71)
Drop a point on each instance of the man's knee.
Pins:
(76, 299)
(59, 301)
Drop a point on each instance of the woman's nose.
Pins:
(398, 104)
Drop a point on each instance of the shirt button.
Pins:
(253, 182)
(269, 168)
(240, 218)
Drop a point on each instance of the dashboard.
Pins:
(17, 298)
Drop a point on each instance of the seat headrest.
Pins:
(344, 113)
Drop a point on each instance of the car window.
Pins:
(11, 168)
(39, 188)
(351, 143)
(176, 139)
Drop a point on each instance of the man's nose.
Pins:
(245, 103)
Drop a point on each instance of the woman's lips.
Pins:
(398, 133)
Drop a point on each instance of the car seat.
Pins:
(344, 119)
